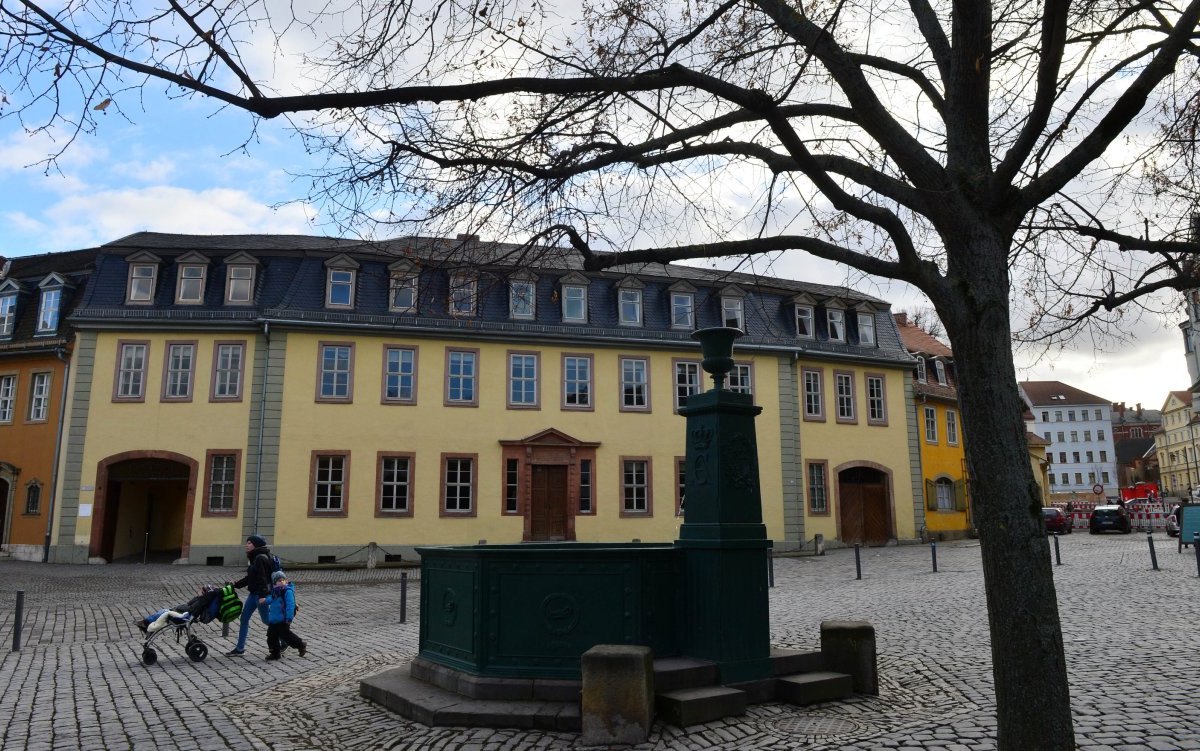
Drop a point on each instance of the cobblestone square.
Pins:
(1132, 645)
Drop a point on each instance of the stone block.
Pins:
(617, 705)
(813, 688)
(693, 706)
(849, 647)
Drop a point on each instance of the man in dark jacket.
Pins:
(257, 582)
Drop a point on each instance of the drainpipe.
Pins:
(262, 412)
(62, 416)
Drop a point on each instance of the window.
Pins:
(577, 382)
(394, 474)
(1078, 478)
(1087, 435)
(1045, 417)
(1100, 434)
(330, 483)
(1058, 415)
(814, 408)
(635, 486)
(1091, 478)
(33, 498)
(733, 313)
(687, 381)
(131, 371)
(8, 314)
(8, 397)
(876, 401)
(458, 485)
(1075, 456)
(1099, 414)
(682, 304)
(402, 293)
(818, 488)
(339, 286)
(940, 367)
(804, 321)
(190, 285)
(931, 425)
(142, 279)
(843, 384)
(239, 284)
(1061, 436)
(1103, 456)
(574, 303)
(48, 311)
(522, 380)
(944, 488)
(521, 299)
(1062, 457)
(585, 486)
(1071, 415)
(461, 372)
(629, 303)
(1052, 480)
(1048, 436)
(866, 329)
(836, 320)
(39, 397)
(512, 486)
(229, 360)
(1104, 477)
(635, 384)
(741, 378)
(680, 484)
(1089, 457)
(335, 382)
(400, 375)
(221, 482)
(462, 296)
(921, 369)
(179, 372)
(951, 427)
(1074, 436)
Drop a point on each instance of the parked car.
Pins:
(1105, 518)
(1056, 521)
(1173, 523)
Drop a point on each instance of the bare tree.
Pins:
(926, 320)
(1018, 161)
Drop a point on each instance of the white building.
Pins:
(1078, 426)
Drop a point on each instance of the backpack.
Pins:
(230, 607)
(276, 564)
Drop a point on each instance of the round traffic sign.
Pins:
(1098, 489)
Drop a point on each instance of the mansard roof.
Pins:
(29, 273)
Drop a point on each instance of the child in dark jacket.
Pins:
(277, 610)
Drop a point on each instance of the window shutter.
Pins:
(930, 495)
(960, 495)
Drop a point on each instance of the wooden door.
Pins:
(875, 514)
(548, 503)
(863, 504)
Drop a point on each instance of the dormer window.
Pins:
(8, 308)
(629, 302)
(402, 287)
(574, 298)
(193, 271)
(341, 276)
(522, 291)
(683, 306)
(50, 304)
(462, 295)
(836, 320)
(143, 278)
(921, 369)
(733, 311)
(866, 329)
(805, 317)
(940, 367)
(240, 270)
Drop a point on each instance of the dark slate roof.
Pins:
(290, 286)
(28, 272)
(1057, 393)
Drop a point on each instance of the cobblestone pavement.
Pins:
(77, 683)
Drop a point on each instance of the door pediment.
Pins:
(550, 437)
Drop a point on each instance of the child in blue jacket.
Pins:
(278, 609)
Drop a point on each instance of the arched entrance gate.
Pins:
(864, 503)
(143, 506)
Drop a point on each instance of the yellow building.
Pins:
(1176, 444)
(939, 431)
(327, 394)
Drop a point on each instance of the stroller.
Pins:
(212, 603)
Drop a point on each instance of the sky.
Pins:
(177, 167)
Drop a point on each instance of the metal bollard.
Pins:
(1153, 555)
(18, 620)
(1196, 547)
(1057, 552)
(857, 561)
(933, 552)
(403, 596)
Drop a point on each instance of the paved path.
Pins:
(1131, 633)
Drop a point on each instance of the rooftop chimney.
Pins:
(467, 238)
(901, 318)
(1139, 410)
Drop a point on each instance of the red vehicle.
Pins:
(1056, 521)
(1146, 492)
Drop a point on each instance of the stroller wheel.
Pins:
(149, 656)
(197, 651)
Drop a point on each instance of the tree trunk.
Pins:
(1028, 664)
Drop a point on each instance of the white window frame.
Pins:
(464, 490)
(227, 375)
(395, 484)
(141, 286)
(178, 382)
(683, 310)
(461, 298)
(235, 283)
(635, 383)
(222, 483)
(635, 486)
(528, 310)
(131, 377)
(631, 300)
(337, 277)
(8, 397)
(49, 308)
(577, 392)
(814, 401)
(931, 426)
(400, 373)
(398, 283)
(465, 381)
(688, 381)
(835, 320)
(951, 427)
(940, 368)
(328, 386)
(527, 380)
(182, 279)
(8, 314)
(876, 403)
(330, 474)
(866, 329)
(39, 396)
(843, 384)
(733, 313)
(944, 491)
(574, 295)
(741, 378)
(805, 330)
(921, 374)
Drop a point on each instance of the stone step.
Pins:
(789, 661)
(693, 706)
(674, 673)
(812, 688)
